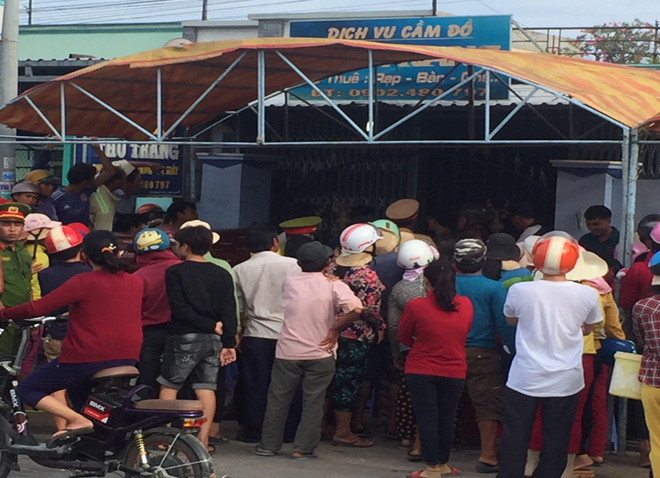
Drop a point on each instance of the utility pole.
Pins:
(8, 91)
(205, 6)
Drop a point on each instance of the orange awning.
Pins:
(128, 84)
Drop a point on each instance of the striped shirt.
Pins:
(102, 208)
(646, 327)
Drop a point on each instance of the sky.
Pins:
(529, 13)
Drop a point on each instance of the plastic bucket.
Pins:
(624, 376)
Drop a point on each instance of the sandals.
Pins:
(414, 457)
(418, 474)
(221, 440)
(262, 451)
(67, 436)
(297, 456)
(359, 443)
(487, 468)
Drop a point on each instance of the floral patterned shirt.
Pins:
(366, 285)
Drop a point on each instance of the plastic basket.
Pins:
(624, 376)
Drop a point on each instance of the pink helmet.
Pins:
(655, 233)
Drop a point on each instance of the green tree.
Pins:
(617, 42)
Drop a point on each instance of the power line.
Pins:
(55, 12)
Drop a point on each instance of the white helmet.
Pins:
(358, 237)
(413, 254)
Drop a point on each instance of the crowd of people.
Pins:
(523, 322)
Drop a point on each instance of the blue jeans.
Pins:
(435, 400)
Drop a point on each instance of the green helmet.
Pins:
(388, 225)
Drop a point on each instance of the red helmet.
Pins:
(556, 253)
(149, 207)
(81, 228)
(62, 238)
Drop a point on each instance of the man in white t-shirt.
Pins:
(552, 315)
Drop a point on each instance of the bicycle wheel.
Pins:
(171, 453)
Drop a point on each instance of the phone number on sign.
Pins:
(155, 184)
(396, 93)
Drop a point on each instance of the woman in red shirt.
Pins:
(104, 331)
(436, 327)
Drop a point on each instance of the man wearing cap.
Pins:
(16, 267)
(484, 380)
(153, 256)
(305, 351)
(215, 434)
(404, 213)
(259, 282)
(297, 232)
(25, 192)
(47, 185)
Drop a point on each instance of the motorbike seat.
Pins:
(180, 405)
(122, 371)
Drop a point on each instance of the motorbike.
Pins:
(133, 434)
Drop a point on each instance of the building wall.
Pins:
(100, 41)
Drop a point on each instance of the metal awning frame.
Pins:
(368, 136)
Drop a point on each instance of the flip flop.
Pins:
(210, 449)
(218, 440)
(360, 443)
(584, 473)
(262, 451)
(418, 473)
(297, 456)
(487, 468)
(67, 435)
(414, 458)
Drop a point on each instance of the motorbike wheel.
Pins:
(172, 453)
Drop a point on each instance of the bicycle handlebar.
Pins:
(33, 321)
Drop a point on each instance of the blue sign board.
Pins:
(167, 183)
(416, 79)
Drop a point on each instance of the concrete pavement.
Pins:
(385, 460)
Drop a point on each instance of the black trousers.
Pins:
(557, 414)
(435, 400)
(151, 354)
(254, 367)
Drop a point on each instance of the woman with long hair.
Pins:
(104, 331)
(435, 328)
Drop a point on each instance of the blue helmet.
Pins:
(654, 264)
(151, 239)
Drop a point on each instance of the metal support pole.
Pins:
(8, 88)
(261, 93)
(370, 124)
(63, 109)
(487, 108)
(629, 160)
(159, 104)
(149, 134)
